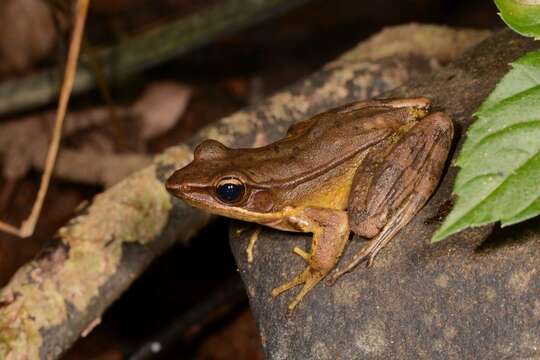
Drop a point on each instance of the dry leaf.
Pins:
(24, 141)
(160, 107)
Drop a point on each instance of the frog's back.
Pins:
(325, 142)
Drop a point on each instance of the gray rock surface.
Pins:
(460, 299)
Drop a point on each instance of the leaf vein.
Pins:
(527, 72)
(498, 186)
(498, 132)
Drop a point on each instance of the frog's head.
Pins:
(215, 181)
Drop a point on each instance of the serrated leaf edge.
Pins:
(462, 163)
(444, 233)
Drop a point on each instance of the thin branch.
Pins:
(28, 226)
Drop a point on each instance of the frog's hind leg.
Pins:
(399, 181)
(330, 230)
(400, 219)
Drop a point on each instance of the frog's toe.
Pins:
(362, 255)
(297, 280)
(252, 240)
(303, 254)
(371, 258)
(312, 279)
(309, 277)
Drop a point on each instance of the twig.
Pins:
(28, 225)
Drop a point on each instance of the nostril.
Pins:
(172, 185)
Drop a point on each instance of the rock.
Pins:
(458, 299)
(467, 297)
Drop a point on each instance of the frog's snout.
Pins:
(175, 185)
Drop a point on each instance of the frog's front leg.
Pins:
(330, 230)
(394, 184)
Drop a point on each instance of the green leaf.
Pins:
(499, 176)
(526, 75)
(522, 16)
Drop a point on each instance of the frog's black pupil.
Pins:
(230, 192)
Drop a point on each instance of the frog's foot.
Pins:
(309, 277)
(330, 234)
(400, 219)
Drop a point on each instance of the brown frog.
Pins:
(367, 167)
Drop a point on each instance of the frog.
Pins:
(363, 168)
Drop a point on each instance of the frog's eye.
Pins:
(230, 190)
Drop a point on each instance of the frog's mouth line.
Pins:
(187, 194)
